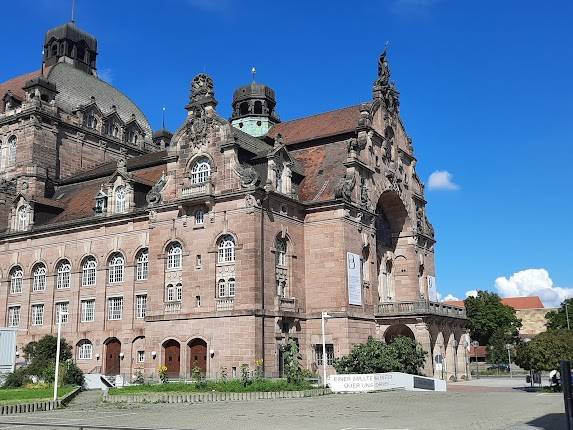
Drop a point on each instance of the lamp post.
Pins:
(567, 315)
(324, 316)
(60, 314)
(475, 344)
(508, 347)
(455, 360)
(466, 346)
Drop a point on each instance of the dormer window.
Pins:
(120, 197)
(12, 150)
(22, 218)
(101, 203)
(90, 121)
(200, 172)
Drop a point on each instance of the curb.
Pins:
(40, 406)
(213, 396)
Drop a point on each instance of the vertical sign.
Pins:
(432, 291)
(353, 271)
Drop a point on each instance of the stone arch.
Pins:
(112, 357)
(172, 357)
(198, 353)
(438, 350)
(396, 330)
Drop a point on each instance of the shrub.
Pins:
(245, 374)
(162, 371)
(293, 370)
(73, 375)
(16, 379)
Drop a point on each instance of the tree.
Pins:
(558, 319)
(546, 350)
(487, 316)
(374, 356)
(497, 348)
(292, 367)
(42, 355)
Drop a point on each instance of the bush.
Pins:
(374, 356)
(16, 379)
(546, 350)
(293, 370)
(73, 375)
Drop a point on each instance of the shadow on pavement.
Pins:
(549, 422)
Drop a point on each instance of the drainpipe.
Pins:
(262, 268)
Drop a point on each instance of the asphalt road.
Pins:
(479, 405)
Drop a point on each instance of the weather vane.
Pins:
(254, 72)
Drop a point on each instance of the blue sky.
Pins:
(486, 93)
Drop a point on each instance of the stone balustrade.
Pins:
(225, 304)
(420, 307)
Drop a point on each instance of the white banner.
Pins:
(354, 383)
(432, 290)
(353, 270)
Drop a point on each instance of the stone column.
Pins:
(422, 335)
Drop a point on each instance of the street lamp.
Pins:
(324, 316)
(475, 344)
(60, 314)
(508, 347)
(466, 346)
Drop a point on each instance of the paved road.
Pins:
(487, 408)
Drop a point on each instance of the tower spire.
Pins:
(73, 11)
(254, 72)
(163, 123)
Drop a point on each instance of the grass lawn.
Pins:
(235, 386)
(24, 395)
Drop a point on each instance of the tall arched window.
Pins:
(16, 276)
(281, 267)
(116, 265)
(12, 150)
(226, 252)
(85, 349)
(231, 287)
(120, 196)
(174, 256)
(178, 292)
(200, 172)
(63, 279)
(89, 272)
(23, 218)
(39, 283)
(170, 293)
(221, 288)
(199, 217)
(281, 252)
(142, 265)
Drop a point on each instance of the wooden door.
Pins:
(172, 358)
(198, 353)
(112, 359)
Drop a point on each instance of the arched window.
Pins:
(120, 199)
(174, 256)
(280, 182)
(200, 172)
(142, 265)
(22, 218)
(199, 217)
(12, 150)
(116, 264)
(54, 49)
(178, 292)
(90, 121)
(170, 293)
(221, 288)
(258, 107)
(89, 272)
(16, 280)
(281, 252)
(39, 283)
(63, 279)
(226, 252)
(231, 287)
(85, 349)
(244, 108)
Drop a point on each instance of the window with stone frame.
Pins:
(226, 249)
(14, 313)
(63, 275)
(22, 217)
(12, 144)
(90, 120)
(37, 314)
(140, 306)
(174, 256)
(16, 276)
(114, 308)
(200, 171)
(85, 350)
(142, 265)
(170, 293)
(318, 354)
(87, 310)
(281, 267)
(116, 268)
(120, 199)
(89, 270)
(39, 275)
(63, 309)
(199, 217)
(141, 356)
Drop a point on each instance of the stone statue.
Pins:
(248, 176)
(344, 187)
(154, 196)
(383, 69)
(202, 88)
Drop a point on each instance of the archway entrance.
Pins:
(198, 355)
(171, 357)
(398, 330)
(112, 358)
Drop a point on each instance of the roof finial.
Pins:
(163, 118)
(73, 11)
(254, 72)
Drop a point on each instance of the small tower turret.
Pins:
(254, 109)
(67, 43)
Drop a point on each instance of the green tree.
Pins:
(487, 316)
(558, 319)
(546, 350)
(497, 348)
(293, 369)
(374, 356)
(42, 354)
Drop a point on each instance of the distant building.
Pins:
(529, 309)
(215, 245)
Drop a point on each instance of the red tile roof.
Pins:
(317, 126)
(15, 85)
(531, 302)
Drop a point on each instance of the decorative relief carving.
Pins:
(154, 196)
(248, 175)
(202, 88)
(344, 187)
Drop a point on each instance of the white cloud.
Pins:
(471, 293)
(450, 297)
(106, 75)
(442, 180)
(533, 282)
